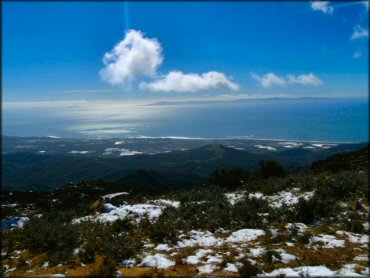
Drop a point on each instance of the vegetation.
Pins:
(203, 207)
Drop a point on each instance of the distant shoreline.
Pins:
(193, 138)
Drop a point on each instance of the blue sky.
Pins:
(55, 51)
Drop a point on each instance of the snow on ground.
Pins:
(245, 235)
(153, 209)
(300, 226)
(285, 257)
(137, 211)
(208, 268)
(257, 252)
(269, 148)
(13, 222)
(361, 258)
(9, 205)
(214, 259)
(355, 238)
(301, 271)
(162, 247)
(348, 270)
(207, 239)
(199, 238)
(328, 241)
(157, 261)
(231, 268)
(195, 259)
(288, 198)
(128, 263)
(234, 197)
(168, 203)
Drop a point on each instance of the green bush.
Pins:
(50, 233)
(108, 241)
(271, 168)
(248, 269)
(246, 212)
(230, 178)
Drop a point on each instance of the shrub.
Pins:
(304, 211)
(271, 168)
(248, 269)
(246, 212)
(107, 241)
(230, 178)
(52, 231)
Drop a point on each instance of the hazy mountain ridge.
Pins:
(45, 171)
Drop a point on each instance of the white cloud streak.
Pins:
(272, 80)
(357, 54)
(304, 79)
(359, 33)
(190, 82)
(133, 57)
(269, 80)
(322, 6)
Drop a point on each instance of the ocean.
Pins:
(306, 119)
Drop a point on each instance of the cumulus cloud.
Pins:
(136, 56)
(322, 6)
(190, 82)
(133, 57)
(304, 79)
(357, 54)
(270, 80)
(359, 33)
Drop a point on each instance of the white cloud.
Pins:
(270, 80)
(322, 6)
(133, 57)
(366, 4)
(190, 82)
(304, 79)
(359, 33)
(357, 55)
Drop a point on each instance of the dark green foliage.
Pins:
(230, 178)
(248, 269)
(246, 213)
(304, 211)
(343, 161)
(108, 241)
(353, 223)
(271, 168)
(204, 208)
(164, 229)
(51, 233)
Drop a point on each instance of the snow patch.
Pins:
(208, 268)
(245, 235)
(302, 271)
(157, 261)
(137, 211)
(329, 241)
(231, 268)
(199, 238)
